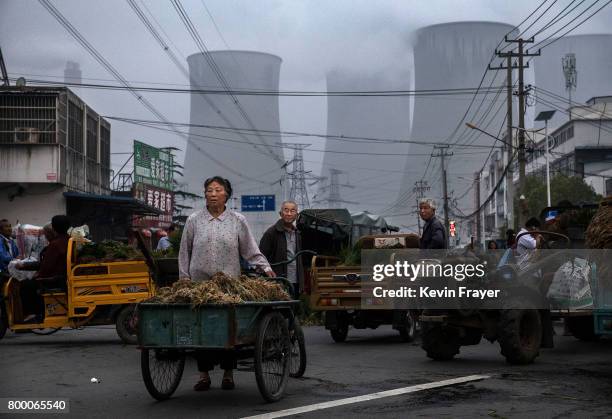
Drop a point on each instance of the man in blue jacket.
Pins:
(434, 233)
(8, 247)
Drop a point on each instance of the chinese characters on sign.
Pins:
(157, 198)
(152, 166)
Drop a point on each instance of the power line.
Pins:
(98, 57)
(262, 92)
(219, 75)
(155, 126)
(247, 131)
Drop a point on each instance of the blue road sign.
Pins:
(258, 203)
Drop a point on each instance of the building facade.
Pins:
(51, 142)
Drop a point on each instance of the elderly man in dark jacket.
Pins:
(281, 242)
(434, 233)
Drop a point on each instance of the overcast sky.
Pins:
(311, 37)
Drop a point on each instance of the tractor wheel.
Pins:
(520, 335)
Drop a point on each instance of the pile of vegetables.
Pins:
(220, 289)
(107, 251)
(599, 233)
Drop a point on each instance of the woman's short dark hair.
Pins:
(221, 181)
(60, 224)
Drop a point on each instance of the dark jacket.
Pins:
(434, 235)
(273, 245)
(53, 258)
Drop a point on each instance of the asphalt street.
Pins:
(572, 380)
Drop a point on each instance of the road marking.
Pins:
(367, 397)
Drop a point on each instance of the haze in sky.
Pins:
(311, 37)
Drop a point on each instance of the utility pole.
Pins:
(420, 187)
(571, 76)
(478, 221)
(5, 80)
(521, 110)
(444, 153)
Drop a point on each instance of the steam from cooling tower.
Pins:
(235, 146)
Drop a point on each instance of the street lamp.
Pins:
(546, 116)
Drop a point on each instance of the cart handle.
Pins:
(301, 252)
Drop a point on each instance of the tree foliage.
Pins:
(562, 188)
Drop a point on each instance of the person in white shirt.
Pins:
(528, 242)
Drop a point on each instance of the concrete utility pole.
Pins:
(5, 80)
(478, 222)
(521, 111)
(420, 187)
(443, 153)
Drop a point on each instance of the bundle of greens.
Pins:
(220, 289)
(107, 251)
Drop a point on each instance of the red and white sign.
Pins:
(158, 198)
(52, 176)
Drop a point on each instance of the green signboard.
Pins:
(152, 166)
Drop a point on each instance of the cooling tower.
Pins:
(375, 179)
(452, 56)
(594, 69)
(238, 151)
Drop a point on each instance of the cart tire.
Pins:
(272, 356)
(582, 328)
(520, 335)
(47, 331)
(298, 352)
(3, 319)
(162, 370)
(409, 331)
(441, 343)
(127, 324)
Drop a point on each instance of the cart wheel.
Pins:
(127, 324)
(162, 370)
(272, 356)
(46, 331)
(298, 352)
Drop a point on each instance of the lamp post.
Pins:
(546, 116)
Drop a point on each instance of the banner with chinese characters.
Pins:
(158, 198)
(152, 166)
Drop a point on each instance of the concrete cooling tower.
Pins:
(375, 179)
(594, 73)
(451, 56)
(251, 160)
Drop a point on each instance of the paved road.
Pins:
(572, 380)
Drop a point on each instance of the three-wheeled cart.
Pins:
(261, 334)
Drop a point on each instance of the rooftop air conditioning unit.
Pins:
(27, 135)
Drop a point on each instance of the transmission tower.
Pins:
(298, 176)
(334, 199)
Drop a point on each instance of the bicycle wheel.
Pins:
(298, 352)
(162, 370)
(126, 324)
(272, 355)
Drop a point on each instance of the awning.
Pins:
(125, 203)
